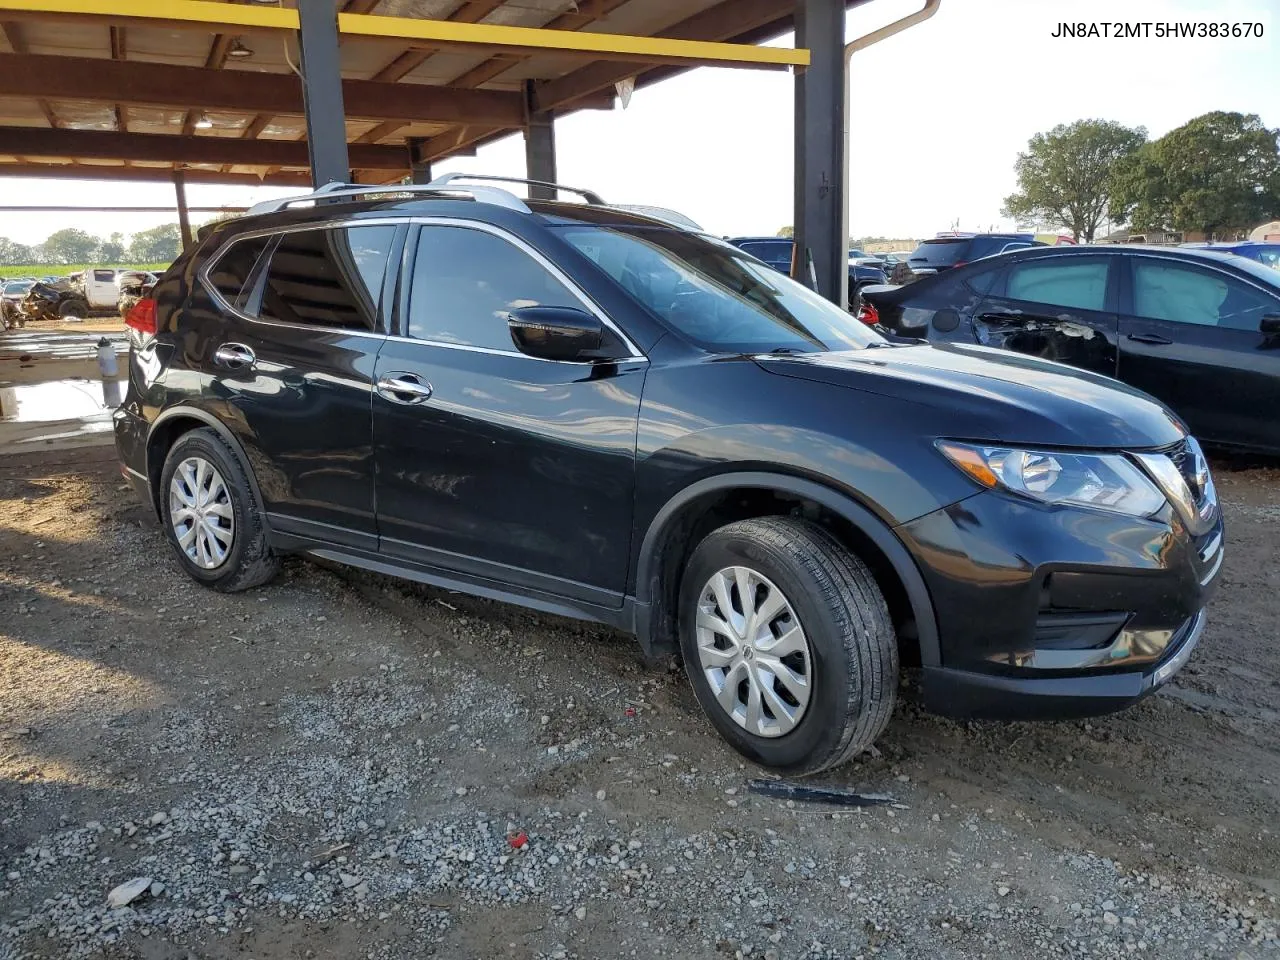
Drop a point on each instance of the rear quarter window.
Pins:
(232, 267)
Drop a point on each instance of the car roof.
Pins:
(1203, 254)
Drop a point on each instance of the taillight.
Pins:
(868, 314)
(142, 316)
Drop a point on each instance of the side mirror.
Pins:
(556, 333)
(1270, 324)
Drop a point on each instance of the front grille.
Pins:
(1194, 470)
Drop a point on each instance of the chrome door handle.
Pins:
(404, 388)
(234, 355)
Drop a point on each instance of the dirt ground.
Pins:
(343, 765)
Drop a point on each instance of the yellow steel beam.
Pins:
(598, 46)
(221, 16)
(178, 14)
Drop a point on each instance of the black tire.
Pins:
(853, 648)
(249, 561)
(76, 309)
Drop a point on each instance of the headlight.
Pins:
(1104, 481)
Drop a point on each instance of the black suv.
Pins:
(598, 414)
(948, 250)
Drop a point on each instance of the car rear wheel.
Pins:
(788, 643)
(73, 309)
(211, 517)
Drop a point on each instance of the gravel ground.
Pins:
(342, 765)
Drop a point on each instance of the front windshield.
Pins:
(20, 286)
(719, 297)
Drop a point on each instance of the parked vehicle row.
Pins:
(593, 412)
(74, 296)
(1196, 328)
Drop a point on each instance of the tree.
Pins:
(788, 232)
(1218, 172)
(71, 245)
(12, 252)
(1067, 176)
(158, 245)
(111, 250)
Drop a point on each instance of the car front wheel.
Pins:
(788, 643)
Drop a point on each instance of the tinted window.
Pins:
(466, 281)
(980, 247)
(982, 281)
(104, 276)
(327, 278)
(776, 253)
(939, 253)
(715, 295)
(232, 268)
(1182, 294)
(1268, 254)
(1060, 283)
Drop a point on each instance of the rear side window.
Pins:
(771, 251)
(1270, 255)
(327, 277)
(231, 270)
(104, 276)
(939, 253)
(1078, 284)
(465, 282)
(980, 247)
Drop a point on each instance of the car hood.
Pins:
(992, 395)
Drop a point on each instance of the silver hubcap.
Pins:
(201, 514)
(753, 652)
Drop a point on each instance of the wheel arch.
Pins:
(688, 516)
(169, 426)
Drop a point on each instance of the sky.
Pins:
(939, 115)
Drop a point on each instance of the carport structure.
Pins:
(375, 91)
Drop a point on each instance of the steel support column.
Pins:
(539, 147)
(322, 92)
(821, 206)
(184, 216)
(419, 169)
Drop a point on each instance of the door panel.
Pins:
(294, 368)
(490, 462)
(1190, 337)
(1057, 308)
(522, 465)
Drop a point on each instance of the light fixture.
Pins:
(203, 122)
(238, 50)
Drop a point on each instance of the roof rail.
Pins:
(590, 196)
(439, 188)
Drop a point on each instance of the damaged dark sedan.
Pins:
(1198, 329)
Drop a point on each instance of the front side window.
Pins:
(327, 277)
(1183, 294)
(716, 295)
(466, 281)
(1074, 283)
(104, 276)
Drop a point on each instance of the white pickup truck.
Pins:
(103, 289)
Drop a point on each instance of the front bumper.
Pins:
(972, 695)
(1047, 611)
